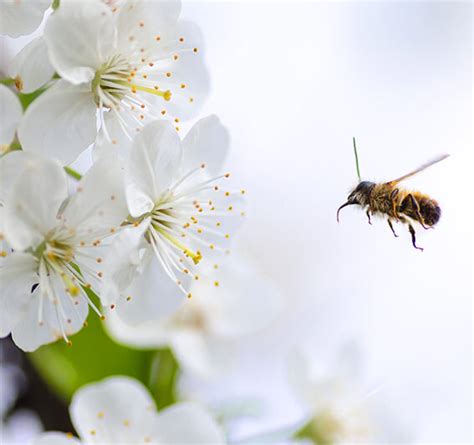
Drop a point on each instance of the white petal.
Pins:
(81, 37)
(31, 67)
(32, 204)
(56, 438)
(154, 162)
(201, 354)
(11, 168)
(121, 263)
(29, 334)
(207, 142)
(153, 294)
(17, 276)
(300, 377)
(10, 112)
(243, 303)
(117, 410)
(112, 141)
(61, 123)
(187, 423)
(146, 335)
(19, 18)
(190, 69)
(142, 18)
(99, 204)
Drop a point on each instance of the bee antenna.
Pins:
(356, 158)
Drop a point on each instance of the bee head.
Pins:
(359, 196)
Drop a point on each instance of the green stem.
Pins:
(55, 5)
(73, 173)
(163, 379)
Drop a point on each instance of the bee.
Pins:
(394, 202)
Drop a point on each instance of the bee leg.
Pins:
(393, 201)
(391, 227)
(413, 237)
(368, 216)
(416, 206)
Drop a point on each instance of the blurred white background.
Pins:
(294, 82)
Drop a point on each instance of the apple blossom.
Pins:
(181, 219)
(128, 63)
(203, 333)
(339, 410)
(120, 410)
(57, 245)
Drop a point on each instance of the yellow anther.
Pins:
(19, 83)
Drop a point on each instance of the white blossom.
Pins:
(21, 17)
(204, 332)
(11, 113)
(120, 410)
(128, 63)
(57, 245)
(182, 217)
(340, 409)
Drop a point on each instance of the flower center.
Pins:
(116, 81)
(187, 225)
(55, 257)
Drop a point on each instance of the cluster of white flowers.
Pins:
(152, 214)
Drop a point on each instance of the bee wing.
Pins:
(419, 169)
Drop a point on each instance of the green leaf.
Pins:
(93, 356)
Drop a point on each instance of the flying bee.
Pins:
(396, 203)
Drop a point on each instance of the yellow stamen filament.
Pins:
(196, 257)
(166, 95)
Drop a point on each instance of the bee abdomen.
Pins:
(430, 211)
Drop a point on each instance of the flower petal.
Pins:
(186, 423)
(61, 123)
(154, 162)
(56, 438)
(32, 204)
(115, 410)
(189, 80)
(121, 262)
(99, 205)
(142, 18)
(11, 112)
(207, 142)
(21, 18)
(31, 67)
(243, 303)
(146, 335)
(66, 317)
(201, 354)
(153, 293)
(112, 141)
(80, 36)
(17, 276)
